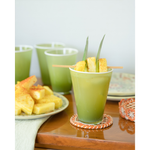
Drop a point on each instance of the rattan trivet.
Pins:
(106, 122)
(127, 109)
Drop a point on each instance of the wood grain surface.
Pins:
(58, 133)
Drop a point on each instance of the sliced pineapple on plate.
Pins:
(51, 98)
(43, 108)
(17, 110)
(21, 91)
(32, 99)
(25, 102)
(18, 82)
(26, 83)
(37, 92)
(48, 91)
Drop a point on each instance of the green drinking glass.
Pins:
(60, 77)
(40, 49)
(23, 54)
(90, 91)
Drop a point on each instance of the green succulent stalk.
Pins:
(98, 54)
(85, 54)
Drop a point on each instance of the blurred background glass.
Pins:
(23, 55)
(40, 49)
(60, 77)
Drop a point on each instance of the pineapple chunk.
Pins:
(21, 91)
(26, 83)
(51, 98)
(17, 110)
(18, 82)
(43, 108)
(102, 65)
(37, 92)
(91, 62)
(80, 66)
(25, 102)
(48, 91)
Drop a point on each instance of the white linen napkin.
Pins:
(26, 131)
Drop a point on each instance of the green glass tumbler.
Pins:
(90, 91)
(23, 55)
(40, 49)
(60, 77)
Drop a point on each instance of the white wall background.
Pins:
(71, 21)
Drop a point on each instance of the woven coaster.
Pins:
(106, 122)
(127, 109)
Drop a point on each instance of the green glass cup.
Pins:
(60, 77)
(90, 91)
(23, 54)
(40, 49)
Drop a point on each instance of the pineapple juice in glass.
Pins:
(90, 91)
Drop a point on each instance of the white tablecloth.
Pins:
(25, 133)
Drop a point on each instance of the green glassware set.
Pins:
(90, 88)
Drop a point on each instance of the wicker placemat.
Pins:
(106, 122)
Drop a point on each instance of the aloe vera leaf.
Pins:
(98, 54)
(85, 54)
(85, 50)
(86, 68)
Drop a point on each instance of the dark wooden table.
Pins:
(58, 133)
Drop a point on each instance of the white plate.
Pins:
(118, 98)
(64, 106)
(122, 84)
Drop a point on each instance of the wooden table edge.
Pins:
(85, 143)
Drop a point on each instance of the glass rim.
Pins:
(26, 46)
(81, 72)
(52, 43)
(66, 48)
